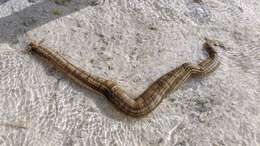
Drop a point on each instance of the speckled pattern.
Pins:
(132, 42)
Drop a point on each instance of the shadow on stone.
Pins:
(3, 1)
(36, 15)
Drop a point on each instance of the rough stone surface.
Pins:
(132, 42)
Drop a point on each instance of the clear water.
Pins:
(132, 42)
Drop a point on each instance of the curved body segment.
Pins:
(150, 98)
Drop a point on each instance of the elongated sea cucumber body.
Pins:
(150, 98)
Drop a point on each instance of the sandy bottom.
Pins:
(132, 42)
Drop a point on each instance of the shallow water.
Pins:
(132, 42)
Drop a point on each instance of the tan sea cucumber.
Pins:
(150, 98)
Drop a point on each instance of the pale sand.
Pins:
(132, 42)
